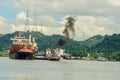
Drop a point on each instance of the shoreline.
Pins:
(70, 59)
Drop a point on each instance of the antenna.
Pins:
(35, 22)
(41, 27)
(27, 21)
(83, 36)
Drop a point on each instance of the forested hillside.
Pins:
(98, 42)
(109, 44)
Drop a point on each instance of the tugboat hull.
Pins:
(12, 56)
(54, 59)
(21, 55)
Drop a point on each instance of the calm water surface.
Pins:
(62, 70)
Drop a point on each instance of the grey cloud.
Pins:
(4, 26)
(72, 7)
(92, 16)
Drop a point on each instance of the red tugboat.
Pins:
(23, 48)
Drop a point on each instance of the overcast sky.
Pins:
(92, 17)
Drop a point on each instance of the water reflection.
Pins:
(63, 70)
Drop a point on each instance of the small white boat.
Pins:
(101, 59)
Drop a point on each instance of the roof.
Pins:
(48, 49)
(25, 50)
(19, 37)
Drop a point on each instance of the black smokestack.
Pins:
(69, 27)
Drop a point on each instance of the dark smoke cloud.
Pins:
(69, 27)
(62, 42)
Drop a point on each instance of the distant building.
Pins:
(48, 51)
(59, 52)
(6, 51)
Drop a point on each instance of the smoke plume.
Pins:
(69, 27)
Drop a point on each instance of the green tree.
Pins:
(94, 55)
(116, 56)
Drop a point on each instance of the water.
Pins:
(54, 70)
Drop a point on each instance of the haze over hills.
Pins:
(98, 42)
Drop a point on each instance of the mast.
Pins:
(83, 36)
(41, 27)
(35, 22)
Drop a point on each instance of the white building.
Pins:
(48, 51)
(59, 52)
